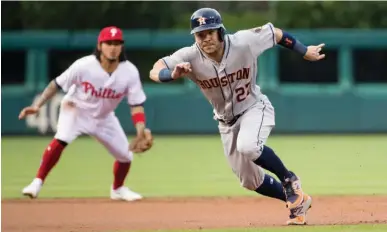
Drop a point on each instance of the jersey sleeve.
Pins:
(182, 55)
(69, 77)
(260, 38)
(135, 93)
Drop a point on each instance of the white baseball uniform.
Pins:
(95, 95)
(230, 87)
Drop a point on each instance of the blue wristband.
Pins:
(290, 42)
(165, 75)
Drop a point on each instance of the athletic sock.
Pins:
(271, 188)
(120, 171)
(271, 162)
(50, 157)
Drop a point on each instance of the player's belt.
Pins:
(232, 121)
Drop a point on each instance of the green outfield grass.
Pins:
(193, 166)
(354, 228)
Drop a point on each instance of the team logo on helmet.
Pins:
(113, 31)
(202, 20)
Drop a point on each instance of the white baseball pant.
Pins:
(74, 122)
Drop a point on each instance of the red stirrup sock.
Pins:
(50, 157)
(120, 171)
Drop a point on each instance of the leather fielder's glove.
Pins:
(142, 142)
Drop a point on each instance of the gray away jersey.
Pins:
(230, 86)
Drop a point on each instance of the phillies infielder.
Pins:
(95, 85)
(225, 68)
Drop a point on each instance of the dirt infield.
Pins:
(180, 213)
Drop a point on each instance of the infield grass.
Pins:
(196, 166)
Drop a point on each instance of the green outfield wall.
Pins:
(348, 103)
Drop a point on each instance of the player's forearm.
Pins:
(160, 72)
(154, 74)
(289, 41)
(138, 118)
(47, 94)
(278, 34)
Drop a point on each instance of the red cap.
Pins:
(110, 33)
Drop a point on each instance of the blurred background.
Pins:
(346, 92)
(323, 103)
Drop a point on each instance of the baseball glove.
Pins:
(142, 142)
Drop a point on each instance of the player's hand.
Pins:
(142, 142)
(28, 111)
(313, 53)
(181, 70)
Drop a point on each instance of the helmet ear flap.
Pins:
(221, 32)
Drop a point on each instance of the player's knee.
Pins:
(124, 156)
(249, 185)
(64, 138)
(249, 149)
(123, 159)
(61, 142)
(252, 181)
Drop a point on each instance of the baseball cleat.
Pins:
(33, 189)
(296, 220)
(293, 191)
(298, 215)
(124, 194)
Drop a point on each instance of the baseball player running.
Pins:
(224, 66)
(94, 86)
